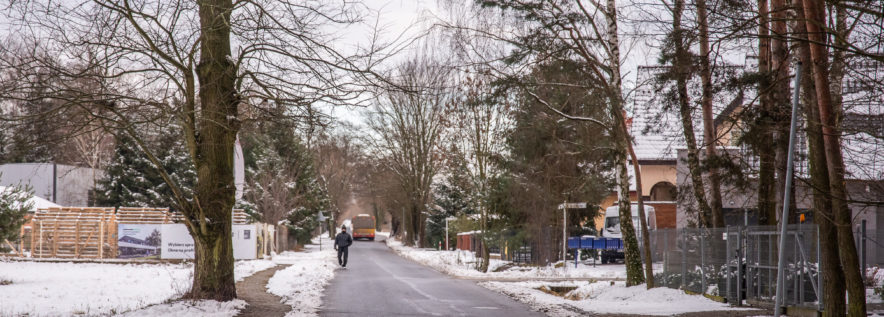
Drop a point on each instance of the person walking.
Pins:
(342, 242)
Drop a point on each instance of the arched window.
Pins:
(663, 191)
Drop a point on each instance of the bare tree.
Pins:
(407, 122)
(202, 62)
(340, 162)
(478, 123)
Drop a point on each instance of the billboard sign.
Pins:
(178, 244)
(138, 241)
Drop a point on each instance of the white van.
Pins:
(612, 228)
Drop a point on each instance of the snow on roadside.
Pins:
(301, 285)
(604, 298)
(244, 269)
(875, 294)
(204, 308)
(47, 289)
(462, 264)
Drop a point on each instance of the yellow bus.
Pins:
(363, 226)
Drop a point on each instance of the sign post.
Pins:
(564, 207)
(321, 218)
(446, 232)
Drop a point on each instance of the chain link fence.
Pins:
(739, 263)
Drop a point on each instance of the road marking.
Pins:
(486, 307)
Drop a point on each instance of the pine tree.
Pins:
(282, 181)
(13, 208)
(131, 180)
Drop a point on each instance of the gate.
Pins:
(752, 266)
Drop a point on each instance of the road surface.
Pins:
(377, 282)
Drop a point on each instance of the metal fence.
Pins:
(869, 246)
(693, 259)
(740, 263)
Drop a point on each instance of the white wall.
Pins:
(72, 183)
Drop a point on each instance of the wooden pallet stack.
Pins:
(240, 217)
(72, 232)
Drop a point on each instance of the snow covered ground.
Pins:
(524, 283)
(604, 298)
(134, 290)
(301, 285)
(63, 289)
(462, 264)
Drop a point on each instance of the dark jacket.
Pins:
(343, 240)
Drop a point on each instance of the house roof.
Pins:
(657, 130)
(37, 201)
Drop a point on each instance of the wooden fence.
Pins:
(88, 232)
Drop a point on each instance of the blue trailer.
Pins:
(605, 245)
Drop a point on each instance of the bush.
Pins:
(13, 208)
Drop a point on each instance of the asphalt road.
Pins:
(377, 282)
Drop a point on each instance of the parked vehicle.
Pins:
(612, 229)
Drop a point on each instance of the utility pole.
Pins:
(784, 219)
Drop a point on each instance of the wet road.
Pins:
(377, 282)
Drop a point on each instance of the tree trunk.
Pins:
(213, 267)
(833, 275)
(767, 214)
(210, 216)
(681, 69)
(815, 17)
(642, 219)
(780, 100)
(483, 266)
(422, 235)
(709, 134)
(633, 259)
(408, 226)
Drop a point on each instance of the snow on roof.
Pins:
(657, 130)
(656, 124)
(863, 156)
(37, 201)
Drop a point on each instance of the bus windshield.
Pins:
(363, 222)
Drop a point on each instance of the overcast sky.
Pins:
(404, 19)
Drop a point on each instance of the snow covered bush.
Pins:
(132, 180)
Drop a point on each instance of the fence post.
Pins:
(684, 258)
(819, 273)
(740, 272)
(727, 260)
(702, 263)
(862, 243)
